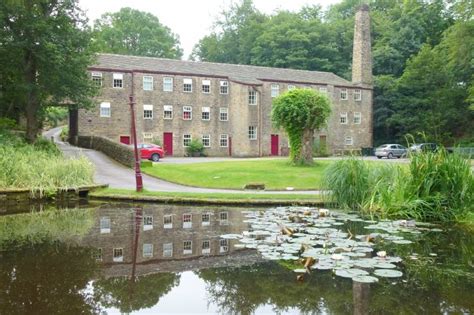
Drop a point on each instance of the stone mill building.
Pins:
(226, 106)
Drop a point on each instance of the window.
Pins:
(223, 246)
(104, 225)
(223, 218)
(348, 140)
(323, 90)
(206, 141)
(252, 97)
(147, 250)
(168, 112)
(97, 78)
(223, 141)
(291, 87)
(344, 94)
(167, 84)
(275, 90)
(187, 221)
(148, 83)
(117, 81)
(105, 109)
(147, 136)
(187, 112)
(98, 254)
(206, 219)
(206, 247)
(206, 113)
(187, 247)
(147, 222)
(343, 118)
(168, 250)
(357, 95)
(253, 132)
(118, 254)
(223, 114)
(168, 221)
(187, 85)
(186, 140)
(206, 86)
(224, 87)
(147, 111)
(357, 118)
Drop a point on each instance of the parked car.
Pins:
(151, 151)
(423, 147)
(390, 151)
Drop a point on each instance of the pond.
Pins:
(146, 259)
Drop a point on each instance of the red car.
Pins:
(151, 152)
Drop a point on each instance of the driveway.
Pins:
(116, 175)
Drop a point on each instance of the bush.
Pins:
(64, 136)
(195, 148)
(7, 123)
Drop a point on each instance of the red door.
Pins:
(275, 144)
(168, 143)
(125, 139)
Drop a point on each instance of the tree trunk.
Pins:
(307, 147)
(32, 105)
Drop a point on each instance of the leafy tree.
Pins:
(45, 53)
(133, 32)
(300, 112)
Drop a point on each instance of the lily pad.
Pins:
(402, 242)
(388, 273)
(350, 273)
(365, 279)
(383, 265)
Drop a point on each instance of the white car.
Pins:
(390, 151)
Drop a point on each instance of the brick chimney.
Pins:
(362, 54)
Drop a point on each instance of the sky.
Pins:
(191, 20)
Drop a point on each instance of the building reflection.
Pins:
(165, 238)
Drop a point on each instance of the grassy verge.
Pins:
(41, 168)
(244, 198)
(275, 174)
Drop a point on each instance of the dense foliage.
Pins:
(436, 186)
(133, 32)
(44, 54)
(300, 112)
(422, 51)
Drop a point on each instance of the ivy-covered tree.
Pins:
(300, 112)
(133, 32)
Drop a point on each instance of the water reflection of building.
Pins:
(165, 237)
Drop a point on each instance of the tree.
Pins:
(47, 46)
(133, 32)
(300, 112)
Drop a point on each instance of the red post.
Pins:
(138, 173)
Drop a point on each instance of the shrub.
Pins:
(64, 134)
(7, 123)
(195, 148)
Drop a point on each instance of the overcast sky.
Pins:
(190, 19)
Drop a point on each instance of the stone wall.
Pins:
(119, 152)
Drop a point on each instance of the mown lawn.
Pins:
(275, 174)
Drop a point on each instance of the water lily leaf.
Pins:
(402, 242)
(349, 273)
(388, 273)
(383, 265)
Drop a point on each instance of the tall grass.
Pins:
(435, 186)
(40, 168)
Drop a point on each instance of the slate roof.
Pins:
(240, 73)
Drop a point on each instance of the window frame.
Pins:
(205, 250)
(187, 140)
(206, 222)
(187, 110)
(117, 258)
(187, 83)
(358, 95)
(148, 82)
(223, 111)
(167, 249)
(252, 133)
(344, 94)
(223, 245)
(105, 225)
(207, 110)
(187, 220)
(167, 86)
(168, 221)
(165, 107)
(343, 118)
(223, 86)
(105, 105)
(253, 96)
(274, 90)
(149, 253)
(206, 140)
(116, 78)
(359, 116)
(97, 78)
(208, 85)
(350, 142)
(221, 138)
(187, 247)
(147, 109)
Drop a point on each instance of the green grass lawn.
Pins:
(111, 192)
(275, 174)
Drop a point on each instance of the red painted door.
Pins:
(125, 139)
(168, 143)
(275, 144)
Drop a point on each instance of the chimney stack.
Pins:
(362, 54)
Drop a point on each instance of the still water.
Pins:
(159, 259)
